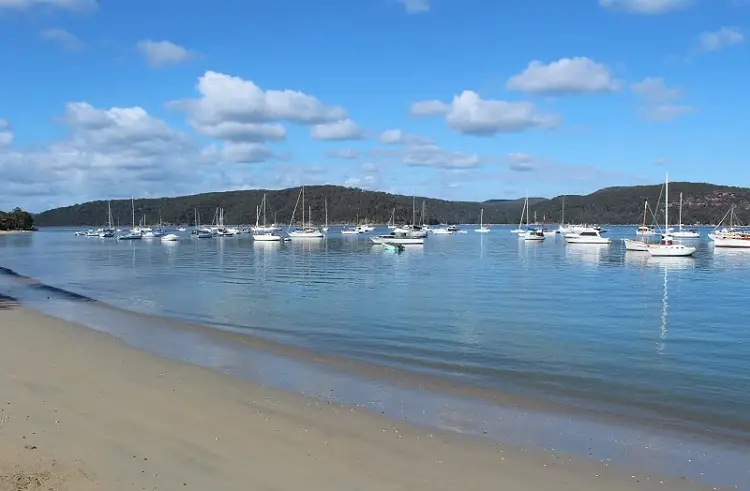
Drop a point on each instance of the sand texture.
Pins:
(80, 410)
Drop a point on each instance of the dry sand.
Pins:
(80, 410)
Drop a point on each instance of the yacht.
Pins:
(667, 247)
(682, 233)
(730, 237)
(396, 238)
(640, 244)
(170, 238)
(521, 230)
(263, 229)
(645, 231)
(588, 235)
(134, 233)
(483, 229)
(307, 231)
(534, 235)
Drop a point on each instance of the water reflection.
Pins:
(589, 254)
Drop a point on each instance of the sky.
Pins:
(466, 100)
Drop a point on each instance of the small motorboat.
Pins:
(390, 247)
(170, 238)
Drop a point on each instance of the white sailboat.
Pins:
(392, 220)
(639, 245)
(109, 231)
(482, 228)
(134, 234)
(325, 203)
(521, 230)
(730, 237)
(563, 228)
(668, 247)
(307, 231)
(685, 234)
(264, 233)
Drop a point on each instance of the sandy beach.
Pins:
(81, 410)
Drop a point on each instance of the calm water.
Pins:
(662, 339)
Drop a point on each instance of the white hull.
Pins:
(587, 240)
(686, 234)
(351, 232)
(267, 237)
(673, 250)
(442, 231)
(730, 242)
(301, 234)
(385, 239)
(170, 238)
(635, 245)
(482, 230)
(264, 230)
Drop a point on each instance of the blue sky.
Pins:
(461, 100)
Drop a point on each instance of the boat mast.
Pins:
(325, 203)
(132, 205)
(666, 205)
(680, 212)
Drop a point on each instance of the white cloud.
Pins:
(107, 151)
(398, 137)
(165, 53)
(6, 138)
(227, 98)
(431, 155)
(469, 114)
(723, 38)
(521, 162)
(234, 131)
(62, 37)
(667, 112)
(75, 5)
(429, 108)
(341, 153)
(659, 101)
(247, 153)
(654, 90)
(564, 76)
(415, 6)
(647, 7)
(346, 129)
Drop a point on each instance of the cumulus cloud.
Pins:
(431, 155)
(246, 153)
(415, 6)
(345, 129)
(646, 7)
(74, 5)
(429, 108)
(722, 38)
(341, 153)
(521, 162)
(106, 151)
(398, 137)
(469, 114)
(658, 102)
(6, 136)
(165, 53)
(66, 40)
(564, 76)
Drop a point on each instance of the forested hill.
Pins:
(703, 203)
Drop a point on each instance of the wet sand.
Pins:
(81, 410)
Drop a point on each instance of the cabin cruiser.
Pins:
(586, 236)
(396, 238)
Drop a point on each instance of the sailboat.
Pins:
(639, 245)
(264, 233)
(667, 247)
(325, 204)
(685, 234)
(413, 230)
(392, 220)
(563, 228)
(521, 230)
(482, 228)
(730, 237)
(201, 233)
(109, 231)
(308, 231)
(134, 234)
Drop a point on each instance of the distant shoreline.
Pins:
(15, 232)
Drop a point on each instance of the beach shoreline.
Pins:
(86, 411)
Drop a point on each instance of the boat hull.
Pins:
(397, 240)
(730, 242)
(675, 250)
(635, 245)
(266, 238)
